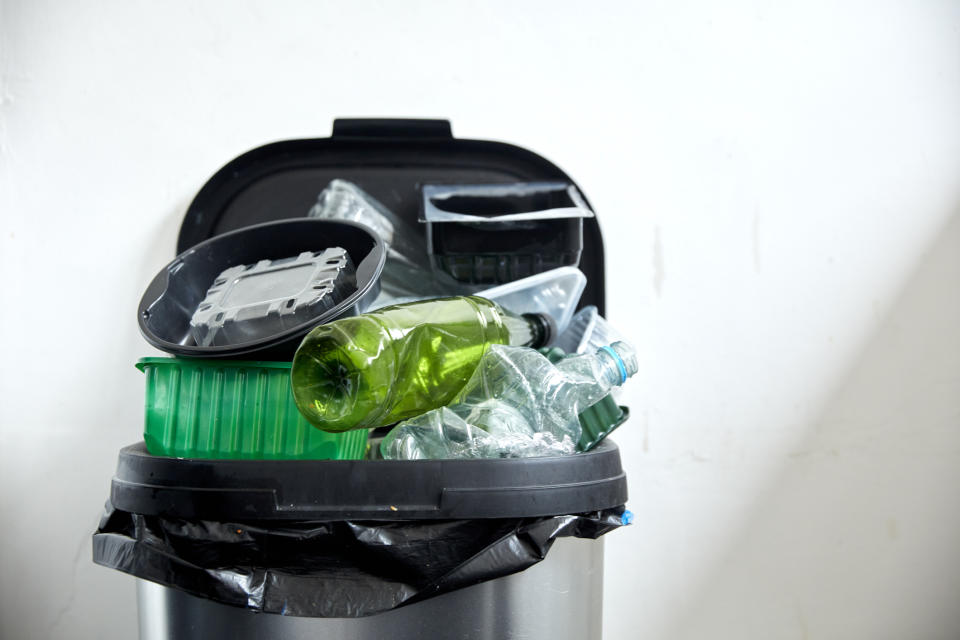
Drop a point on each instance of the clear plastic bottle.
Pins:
(516, 404)
(393, 363)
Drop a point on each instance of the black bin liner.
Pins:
(348, 538)
(338, 569)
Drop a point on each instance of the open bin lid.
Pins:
(389, 159)
(367, 489)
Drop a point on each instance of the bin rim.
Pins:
(211, 489)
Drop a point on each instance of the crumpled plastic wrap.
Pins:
(339, 569)
(516, 404)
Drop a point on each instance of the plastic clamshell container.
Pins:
(555, 292)
(230, 409)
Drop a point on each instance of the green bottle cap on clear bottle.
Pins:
(391, 364)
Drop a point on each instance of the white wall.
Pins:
(779, 188)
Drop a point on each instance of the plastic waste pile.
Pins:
(445, 354)
(430, 322)
(516, 404)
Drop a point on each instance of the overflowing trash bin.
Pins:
(366, 428)
(321, 540)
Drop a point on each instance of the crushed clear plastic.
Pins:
(406, 275)
(342, 200)
(586, 332)
(517, 404)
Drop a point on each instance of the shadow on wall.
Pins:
(858, 536)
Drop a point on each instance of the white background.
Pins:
(779, 190)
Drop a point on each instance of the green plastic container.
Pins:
(236, 410)
(598, 421)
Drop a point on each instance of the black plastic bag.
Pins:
(331, 569)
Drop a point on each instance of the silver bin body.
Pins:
(559, 598)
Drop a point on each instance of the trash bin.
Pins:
(358, 548)
(365, 548)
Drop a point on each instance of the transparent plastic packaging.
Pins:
(387, 365)
(516, 404)
(407, 273)
(586, 332)
(249, 302)
(555, 292)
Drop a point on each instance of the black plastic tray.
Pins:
(367, 489)
(170, 299)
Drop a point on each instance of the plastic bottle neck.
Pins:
(543, 328)
(533, 330)
(618, 362)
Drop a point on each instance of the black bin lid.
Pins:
(388, 158)
(367, 489)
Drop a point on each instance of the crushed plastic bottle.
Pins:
(517, 404)
(394, 363)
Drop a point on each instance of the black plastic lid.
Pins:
(388, 159)
(367, 489)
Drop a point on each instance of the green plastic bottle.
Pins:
(394, 363)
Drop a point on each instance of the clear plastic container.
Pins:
(587, 332)
(555, 293)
